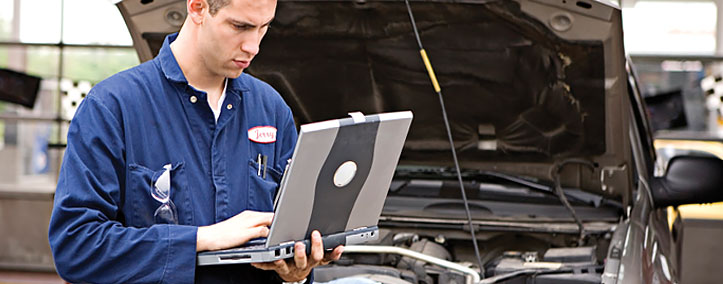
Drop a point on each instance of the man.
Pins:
(168, 142)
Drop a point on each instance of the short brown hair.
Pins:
(215, 5)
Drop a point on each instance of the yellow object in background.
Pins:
(712, 147)
(702, 211)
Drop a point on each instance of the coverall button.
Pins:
(194, 99)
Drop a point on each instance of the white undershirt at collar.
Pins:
(217, 110)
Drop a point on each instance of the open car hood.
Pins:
(527, 83)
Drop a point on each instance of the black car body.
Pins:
(537, 91)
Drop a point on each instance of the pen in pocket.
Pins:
(258, 163)
(265, 161)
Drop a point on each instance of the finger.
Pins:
(256, 232)
(317, 247)
(265, 218)
(281, 267)
(262, 232)
(261, 218)
(334, 255)
(255, 218)
(300, 255)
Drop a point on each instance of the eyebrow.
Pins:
(248, 25)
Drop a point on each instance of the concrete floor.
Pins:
(17, 277)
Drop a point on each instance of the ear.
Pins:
(196, 10)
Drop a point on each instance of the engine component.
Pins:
(530, 256)
(567, 278)
(403, 238)
(428, 248)
(567, 255)
(440, 239)
(472, 276)
(330, 272)
(450, 277)
(559, 265)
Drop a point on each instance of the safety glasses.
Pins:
(166, 213)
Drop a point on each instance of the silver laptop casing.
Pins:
(305, 200)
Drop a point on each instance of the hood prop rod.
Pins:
(438, 90)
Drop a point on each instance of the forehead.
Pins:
(252, 11)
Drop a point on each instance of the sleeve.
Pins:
(87, 237)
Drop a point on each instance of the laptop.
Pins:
(336, 183)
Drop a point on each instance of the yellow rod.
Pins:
(430, 70)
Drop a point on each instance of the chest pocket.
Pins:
(262, 189)
(141, 205)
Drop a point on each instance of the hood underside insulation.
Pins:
(514, 91)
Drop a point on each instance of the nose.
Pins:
(251, 48)
(251, 44)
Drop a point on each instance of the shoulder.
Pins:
(127, 81)
(126, 87)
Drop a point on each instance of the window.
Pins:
(71, 45)
(103, 26)
(38, 25)
(670, 27)
(96, 64)
(6, 19)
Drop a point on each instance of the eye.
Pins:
(241, 26)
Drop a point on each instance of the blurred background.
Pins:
(67, 46)
(70, 45)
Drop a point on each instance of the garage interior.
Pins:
(62, 50)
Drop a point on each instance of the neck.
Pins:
(192, 65)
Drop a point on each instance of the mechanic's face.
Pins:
(230, 39)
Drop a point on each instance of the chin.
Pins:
(233, 74)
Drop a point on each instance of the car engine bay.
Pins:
(512, 257)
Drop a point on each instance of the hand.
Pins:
(234, 231)
(300, 266)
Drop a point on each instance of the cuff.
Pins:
(181, 262)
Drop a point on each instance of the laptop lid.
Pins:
(339, 175)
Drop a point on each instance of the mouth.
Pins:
(243, 64)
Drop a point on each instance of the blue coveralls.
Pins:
(132, 124)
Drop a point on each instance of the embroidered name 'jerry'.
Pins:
(263, 134)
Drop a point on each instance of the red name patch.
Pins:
(263, 134)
